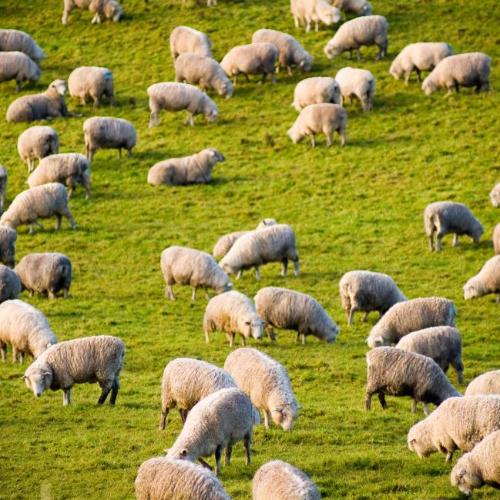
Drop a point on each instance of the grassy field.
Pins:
(359, 207)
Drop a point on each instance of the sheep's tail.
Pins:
(429, 224)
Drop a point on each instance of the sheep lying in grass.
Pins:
(306, 12)
(356, 83)
(36, 143)
(487, 383)
(10, 286)
(102, 9)
(316, 90)
(3, 186)
(8, 238)
(486, 281)
(495, 195)
(188, 40)
(19, 67)
(91, 81)
(15, 40)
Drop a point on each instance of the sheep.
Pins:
(203, 71)
(184, 39)
(356, 83)
(36, 143)
(8, 238)
(232, 312)
(186, 381)
(307, 11)
(478, 467)
(487, 383)
(102, 9)
(291, 310)
(419, 57)
(316, 90)
(463, 70)
(44, 106)
(39, 202)
(19, 41)
(45, 273)
(410, 316)
(368, 30)
(173, 96)
(3, 186)
(458, 423)
(91, 81)
(10, 286)
(486, 281)
(104, 132)
(444, 217)
(187, 266)
(218, 421)
(281, 481)
(495, 195)
(315, 119)
(160, 478)
(251, 59)
(358, 7)
(85, 360)
(496, 239)
(368, 291)
(291, 52)
(19, 67)
(194, 169)
(25, 328)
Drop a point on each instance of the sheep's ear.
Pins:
(46, 374)
(184, 452)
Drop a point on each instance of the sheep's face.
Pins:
(295, 135)
(465, 478)
(332, 333)
(227, 268)
(113, 10)
(38, 379)
(367, 10)
(428, 86)
(470, 290)
(36, 75)
(375, 342)
(328, 15)
(227, 287)
(226, 89)
(306, 63)
(7, 253)
(477, 232)
(417, 442)
(212, 115)
(254, 328)
(59, 86)
(394, 71)
(331, 51)
(216, 156)
(285, 416)
(7, 221)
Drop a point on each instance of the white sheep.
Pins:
(184, 39)
(91, 81)
(486, 281)
(85, 360)
(15, 40)
(305, 12)
(358, 7)
(36, 143)
(10, 285)
(356, 83)
(3, 186)
(496, 239)
(19, 67)
(316, 90)
(102, 9)
(487, 383)
(495, 195)
(8, 238)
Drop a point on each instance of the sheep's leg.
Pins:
(105, 390)
(267, 418)
(247, 441)
(230, 337)
(308, 26)
(207, 338)
(313, 141)
(96, 101)
(120, 153)
(14, 354)
(303, 337)
(350, 315)
(67, 396)
(71, 221)
(296, 21)
(257, 273)
(431, 242)
(273, 78)
(270, 333)
(163, 418)
(455, 240)
(316, 28)
(218, 453)
(328, 136)
(414, 406)
(191, 120)
(296, 267)
(365, 317)
(243, 340)
(427, 410)
(350, 53)
(358, 54)
(449, 456)
(381, 398)
(229, 449)
(21, 357)
(114, 391)
(297, 338)
(368, 401)
(284, 267)
(51, 294)
(419, 75)
(342, 138)
(439, 240)
(58, 221)
(407, 78)
(31, 229)
(153, 119)
(3, 350)
(169, 292)
(206, 294)
(239, 274)
(193, 293)
(289, 71)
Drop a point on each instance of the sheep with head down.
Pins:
(357, 7)
(316, 90)
(184, 39)
(91, 82)
(19, 67)
(8, 237)
(356, 83)
(306, 12)
(486, 383)
(486, 282)
(15, 40)
(10, 285)
(102, 9)
(36, 143)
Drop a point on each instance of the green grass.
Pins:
(359, 207)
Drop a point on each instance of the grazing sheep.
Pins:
(177, 97)
(410, 316)
(10, 286)
(496, 239)
(322, 118)
(463, 70)
(68, 169)
(25, 328)
(103, 132)
(187, 266)
(86, 360)
(495, 196)
(39, 202)
(458, 423)
(45, 273)
(91, 81)
(3, 187)
(357, 83)
(19, 41)
(487, 383)
(486, 281)
(8, 238)
(291, 52)
(444, 217)
(305, 12)
(161, 478)
(368, 291)
(251, 59)
(184, 39)
(419, 57)
(353, 34)
(102, 9)
(36, 143)
(358, 7)
(316, 90)
(267, 384)
(281, 481)
(225, 243)
(194, 169)
(186, 381)
(19, 67)
(232, 312)
(287, 309)
(218, 421)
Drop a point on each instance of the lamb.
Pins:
(161, 478)
(187, 266)
(307, 11)
(19, 67)
(8, 238)
(358, 83)
(251, 59)
(419, 57)
(91, 81)
(353, 34)
(184, 39)
(463, 70)
(10, 286)
(358, 7)
(102, 9)
(104, 132)
(203, 71)
(444, 217)
(194, 169)
(39, 202)
(68, 169)
(36, 143)
(3, 186)
(487, 383)
(458, 423)
(316, 90)
(405, 317)
(283, 308)
(19, 41)
(232, 312)
(25, 328)
(281, 481)
(291, 52)
(496, 239)
(178, 96)
(45, 273)
(495, 196)
(478, 467)
(187, 381)
(486, 281)
(368, 291)
(218, 421)
(320, 118)
(85, 360)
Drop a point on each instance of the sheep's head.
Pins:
(266, 223)
(395, 69)
(375, 341)
(331, 50)
(285, 415)
(306, 62)
(471, 290)
(464, 476)
(294, 134)
(212, 114)
(182, 454)
(226, 89)
(36, 75)
(59, 86)
(113, 10)
(367, 10)
(327, 14)
(254, 327)
(477, 232)
(419, 440)
(428, 86)
(216, 156)
(38, 378)
(331, 334)
(8, 220)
